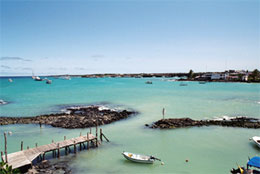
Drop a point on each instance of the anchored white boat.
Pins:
(256, 139)
(139, 158)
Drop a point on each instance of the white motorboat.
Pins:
(139, 158)
(256, 139)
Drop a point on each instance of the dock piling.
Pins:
(2, 154)
(6, 160)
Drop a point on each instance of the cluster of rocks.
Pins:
(75, 117)
(45, 167)
(173, 123)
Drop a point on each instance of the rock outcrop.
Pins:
(172, 123)
(74, 117)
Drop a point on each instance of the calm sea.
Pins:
(209, 150)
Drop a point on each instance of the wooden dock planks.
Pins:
(25, 157)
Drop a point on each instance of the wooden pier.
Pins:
(25, 157)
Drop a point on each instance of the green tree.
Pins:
(255, 75)
(190, 74)
(6, 169)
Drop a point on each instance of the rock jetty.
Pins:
(73, 117)
(172, 123)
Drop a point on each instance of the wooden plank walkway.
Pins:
(25, 157)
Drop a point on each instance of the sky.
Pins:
(85, 37)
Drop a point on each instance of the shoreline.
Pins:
(73, 117)
(182, 76)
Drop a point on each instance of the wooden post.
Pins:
(96, 131)
(58, 150)
(2, 154)
(6, 160)
(101, 135)
(75, 147)
(80, 134)
(88, 141)
(40, 125)
(80, 146)
(43, 156)
(66, 151)
(36, 145)
(96, 142)
(64, 137)
(105, 137)
(53, 153)
(90, 130)
(27, 147)
(21, 145)
(52, 141)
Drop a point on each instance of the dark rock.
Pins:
(79, 117)
(172, 123)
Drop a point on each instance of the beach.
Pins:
(210, 149)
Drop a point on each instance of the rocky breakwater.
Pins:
(172, 123)
(46, 167)
(73, 117)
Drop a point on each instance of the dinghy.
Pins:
(256, 139)
(139, 158)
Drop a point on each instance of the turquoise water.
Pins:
(209, 149)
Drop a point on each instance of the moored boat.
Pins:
(183, 84)
(149, 82)
(139, 158)
(253, 162)
(256, 139)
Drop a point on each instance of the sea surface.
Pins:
(210, 150)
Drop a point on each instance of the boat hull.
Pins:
(135, 158)
(256, 140)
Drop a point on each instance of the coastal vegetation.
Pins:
(7, 169)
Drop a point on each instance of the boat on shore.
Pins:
(139, 158)
(256, 139)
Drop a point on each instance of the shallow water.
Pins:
(209, 149)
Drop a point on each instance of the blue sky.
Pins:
(83, 37)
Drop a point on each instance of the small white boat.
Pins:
(256, 139)
(139, 158)
(10, 80)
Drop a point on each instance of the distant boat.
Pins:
(65, 77)
(256, 139)
(139, 158)
(48, 81)
(36, 78)
(149, 82)
(10, 80)
(183, 84)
